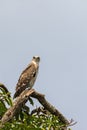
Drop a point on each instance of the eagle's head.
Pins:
(36, 59)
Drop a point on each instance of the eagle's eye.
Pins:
(33, 57)
(38, 58)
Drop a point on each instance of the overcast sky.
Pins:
(56, 30)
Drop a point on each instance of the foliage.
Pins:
(25, 120)
(5, 100)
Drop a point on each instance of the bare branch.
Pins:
(17, 104)
(20, 101)
(49, 107)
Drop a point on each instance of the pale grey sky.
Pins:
(56, 30)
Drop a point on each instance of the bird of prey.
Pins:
(28, 76)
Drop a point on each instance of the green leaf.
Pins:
(2, 108)
(31, 101)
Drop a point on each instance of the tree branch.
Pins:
(20, 101)
(49, 107)
(17, 104)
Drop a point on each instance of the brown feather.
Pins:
(26, 79)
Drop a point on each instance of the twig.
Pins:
(39, 110)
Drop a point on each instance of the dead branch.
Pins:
(49, 107)
(20, 101)
(17, 104)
